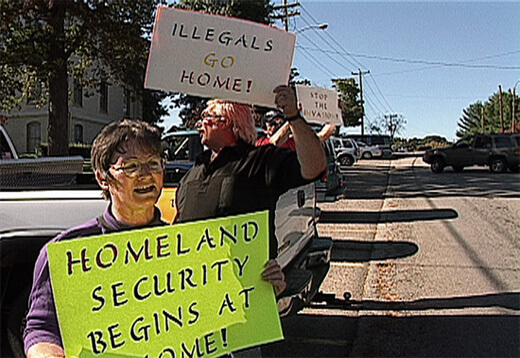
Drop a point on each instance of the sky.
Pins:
(428, 61)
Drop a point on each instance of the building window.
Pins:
(78, 133)
(78, 93)
(33, 136)
(103, 100)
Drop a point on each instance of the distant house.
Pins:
(88, 115)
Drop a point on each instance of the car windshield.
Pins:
(464, 142)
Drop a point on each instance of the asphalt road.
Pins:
(431, 261)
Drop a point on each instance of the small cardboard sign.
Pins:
(193, 289)
(219, 57)
(319, 105)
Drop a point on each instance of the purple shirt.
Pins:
(42, 322)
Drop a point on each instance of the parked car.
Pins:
(369, 151)
(497, 151)
(384, 142)
(347, 151)
(333, 182)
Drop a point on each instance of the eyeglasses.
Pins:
(133, 167)
(207, 118)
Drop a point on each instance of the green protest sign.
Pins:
(187, 290)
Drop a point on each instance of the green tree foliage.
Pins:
(349, 94)
(43, 43)
(414, 144)
(258, 11)
(488, 112)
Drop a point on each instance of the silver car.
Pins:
(347, 151)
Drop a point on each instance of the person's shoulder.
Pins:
(271, 148)
(262, 141)
(91, 227)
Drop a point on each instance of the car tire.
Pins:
(497, 165)
(367, 155)
(16, 323)
(346, 161)
(437, 165)
(458, 168)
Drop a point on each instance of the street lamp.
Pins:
(319, 26)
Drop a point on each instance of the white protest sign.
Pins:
(219, 57)
(319, 105)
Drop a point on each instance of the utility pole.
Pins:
(501, 109)
(360, 74)
(286, 14)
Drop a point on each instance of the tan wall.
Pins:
(89, 116)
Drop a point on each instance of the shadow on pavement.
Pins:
(362, 251)
(309, 335)
(376, 217)
(409, 181)
(471, 182)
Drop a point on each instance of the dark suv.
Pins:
(498, 151)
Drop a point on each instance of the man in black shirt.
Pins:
(233, 176)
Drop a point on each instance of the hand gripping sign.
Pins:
(187, 290)
(220, 57)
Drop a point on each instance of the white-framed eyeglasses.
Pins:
(133, 167)
(207, 118)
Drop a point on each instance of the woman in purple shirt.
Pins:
(126, 159)
(127, 162)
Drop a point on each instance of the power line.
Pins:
(333, 44)
(376, 96)
(332, 58)
(322, 67)
(381, 93)
(423, 62)
(345, 52)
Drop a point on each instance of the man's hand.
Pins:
(285, 99)
(273, 273)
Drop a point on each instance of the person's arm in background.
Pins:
(45, 350)
(282, 134)
(309, 150)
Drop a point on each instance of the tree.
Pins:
(484, 117)
(349, 94)
(390, 124)
(258, 11)
(43, 42)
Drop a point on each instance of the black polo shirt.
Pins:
(241, 179)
